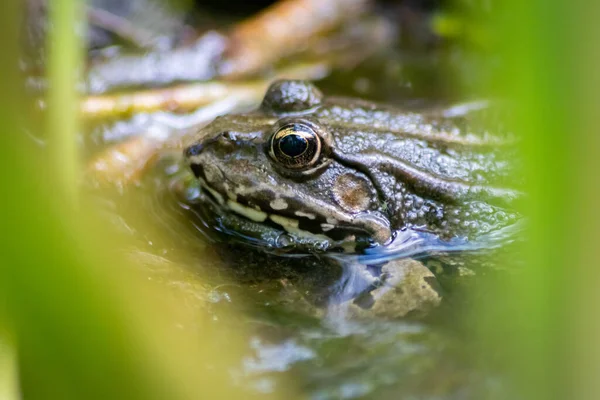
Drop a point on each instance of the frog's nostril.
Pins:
(225, 141)
(228, 136)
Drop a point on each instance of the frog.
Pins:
(358, 183)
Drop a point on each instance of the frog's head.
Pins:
(276, 167)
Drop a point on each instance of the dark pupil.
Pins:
(292, 145)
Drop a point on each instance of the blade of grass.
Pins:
(65, 56)
(539, 40)
(8, 369)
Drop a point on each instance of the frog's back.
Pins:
(443, 170)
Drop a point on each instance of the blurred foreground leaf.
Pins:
(85, 325)
(545, 320)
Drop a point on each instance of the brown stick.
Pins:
(186, 97)
(179, 98)
(281, 29)
(120, 27)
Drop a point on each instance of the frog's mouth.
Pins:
(268, 232)
(270, 229)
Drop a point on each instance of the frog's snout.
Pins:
(222, 142)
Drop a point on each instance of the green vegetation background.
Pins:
(65, 317)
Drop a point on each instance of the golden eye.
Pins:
(295, 146)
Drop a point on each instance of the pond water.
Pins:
(320, 352)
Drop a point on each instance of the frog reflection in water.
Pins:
(309, 174)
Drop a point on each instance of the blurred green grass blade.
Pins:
(64, 66)
(536, 78)
(542, 320)
(583, 208)
(8, 369)
(543, 43)
(540, 77)
(84, 325)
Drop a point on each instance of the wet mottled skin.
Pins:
(310, 173)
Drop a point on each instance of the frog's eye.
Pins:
(295, 146)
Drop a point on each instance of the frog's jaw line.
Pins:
(216, 195)
(290, 225)
(244, 211)
(250, 213)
